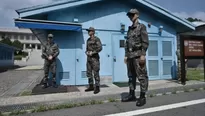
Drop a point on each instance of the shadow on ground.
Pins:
(4, 69)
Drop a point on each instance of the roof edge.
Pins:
(168, 12)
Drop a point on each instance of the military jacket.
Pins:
(50, 49)
(137, 41)
(94, 45)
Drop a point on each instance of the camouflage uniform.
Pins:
(93, 62)
(136, 45)
(53, 50)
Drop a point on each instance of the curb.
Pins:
(53, 105)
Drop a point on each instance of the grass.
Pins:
(121, 84)
(26, 93)
(195, 74)
(112, 100)
(43, 108)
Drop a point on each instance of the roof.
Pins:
(198, 23)
(7, 46)
(15, 30)
(70, 3)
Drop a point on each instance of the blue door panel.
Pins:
(119, 67)
(66, 59)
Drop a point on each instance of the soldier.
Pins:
(135, 51)
(50, 53)
(94, 46)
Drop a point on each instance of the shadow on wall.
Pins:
(195, 63)
(174, 71)
(68, 42)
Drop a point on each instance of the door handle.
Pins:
(114, 59)
(77, 60)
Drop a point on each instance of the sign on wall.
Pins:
(193, 48)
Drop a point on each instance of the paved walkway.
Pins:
(111, 91)
(37, 67)
(12, 82)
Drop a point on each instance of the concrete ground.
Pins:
(12, 81)
(171, 105)
(15, 81)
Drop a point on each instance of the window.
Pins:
(27, 37)
(27, 46)
(21, 37)
(33, 37)
(122, 43)
(39, 47)
(15, 36)
(33, 46)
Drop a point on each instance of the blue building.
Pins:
(67, 20)
(6, 55)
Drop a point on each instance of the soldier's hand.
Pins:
(50, 57)
(88, 53)
(142, 60)
(125, 60)
(91, 53)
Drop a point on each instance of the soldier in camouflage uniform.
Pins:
(179, 66)
(50, 53)
(135, 51)
(94, 46)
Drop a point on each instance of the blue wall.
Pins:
(106, 17)
(6, 56)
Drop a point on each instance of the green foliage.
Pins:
(18, 57)
(6, 41)
(193, 19)
(17, 44)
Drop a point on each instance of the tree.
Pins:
(6, 40)
(193, 19)
(17, 44)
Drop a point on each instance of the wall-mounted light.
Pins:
(122, 28)
(160, 30)
(75, 20)
(149, 24)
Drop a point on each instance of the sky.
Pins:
(181, 8)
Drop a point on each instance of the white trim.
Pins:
(159, 108)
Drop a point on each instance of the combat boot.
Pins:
(45, 85)
(54, 84)
(142, 100)
(97, 90)
(90, 88)
(130, 97)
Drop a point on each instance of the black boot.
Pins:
(44, 85)
(90, 88)
(142, 100)
(97, 90)
(130, 97)
(54, 84)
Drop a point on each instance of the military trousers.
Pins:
(135, 71)
(52, 66)
(93, 68)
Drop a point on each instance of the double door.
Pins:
(160, 57)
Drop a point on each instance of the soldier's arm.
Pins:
(44, 53)
(56, 51)
(126, 49)
(145, 39)
(86, 47)
(99, 46)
